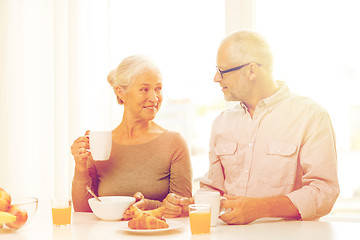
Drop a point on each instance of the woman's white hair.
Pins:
(248, 46)
(129, 68)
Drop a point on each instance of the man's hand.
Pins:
(246, 209)
(176, 206)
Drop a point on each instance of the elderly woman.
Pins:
(145, 157)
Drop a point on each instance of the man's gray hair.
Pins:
(248, 46)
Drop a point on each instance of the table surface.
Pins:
(86, 226)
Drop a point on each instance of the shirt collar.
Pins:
(274, 99)
(278, 96)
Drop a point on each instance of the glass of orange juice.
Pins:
(200, 218)
(61, 212)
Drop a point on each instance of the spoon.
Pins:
(92, 193)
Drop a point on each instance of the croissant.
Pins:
(158, 212)
(151, 219)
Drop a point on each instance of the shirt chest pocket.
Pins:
(280, 164)
(229, 160)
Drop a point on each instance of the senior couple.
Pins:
(273, 155)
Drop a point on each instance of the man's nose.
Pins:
(217, 77)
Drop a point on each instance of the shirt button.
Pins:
(246, 171)
(250, 144)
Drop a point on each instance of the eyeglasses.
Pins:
(232, 69)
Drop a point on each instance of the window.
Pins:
(316, 48)
(182, 37)
(55, 57)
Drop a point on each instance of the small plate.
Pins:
(173, 224)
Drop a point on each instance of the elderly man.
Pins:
(274, 154)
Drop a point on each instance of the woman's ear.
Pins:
(120, 93)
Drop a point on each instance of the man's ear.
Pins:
(253, 70)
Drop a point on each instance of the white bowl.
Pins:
(111, 208)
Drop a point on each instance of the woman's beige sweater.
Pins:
(155, 169)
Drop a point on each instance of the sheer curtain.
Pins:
(49, 55)
(54, 59)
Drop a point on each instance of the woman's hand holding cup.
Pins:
(95, 145)
(80, 153)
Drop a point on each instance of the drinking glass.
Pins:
(61, 212)
(200, 218)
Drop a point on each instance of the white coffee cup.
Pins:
(212, 198)
(100, 144)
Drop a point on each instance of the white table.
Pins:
(85, 226)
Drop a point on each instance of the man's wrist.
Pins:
(277, 206)
(266, 207)
(261, 207)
